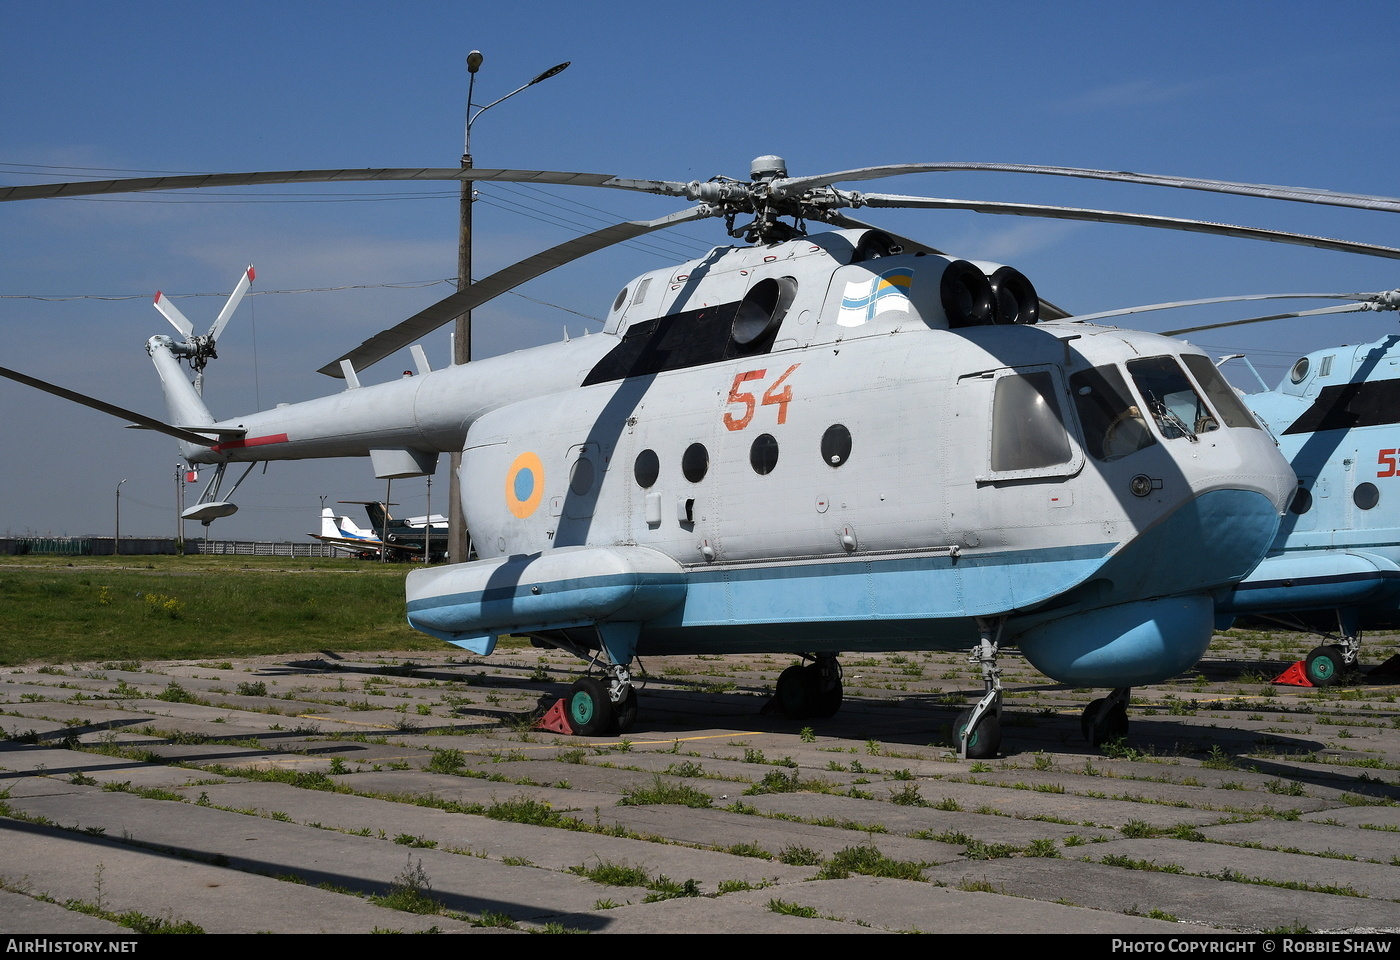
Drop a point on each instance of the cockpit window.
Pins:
(1028, 431)
(1172, 401)
(1113, 423)
(1232, 409)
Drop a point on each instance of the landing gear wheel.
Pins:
(1100, 727)
(1324, 665)
(625, 713)
(797, 692)
(985, 739)
(590, 711)
(826, 702)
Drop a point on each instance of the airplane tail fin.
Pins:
(348, 528)
(378, 515)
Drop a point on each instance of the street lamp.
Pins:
(117, 537)
(462, 335)
(462, 340)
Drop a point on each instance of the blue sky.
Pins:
(1282, 93)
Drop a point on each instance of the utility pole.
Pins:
(117, 538)
(458, 541)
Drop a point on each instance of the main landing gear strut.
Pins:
(1325, 665)
(977, 731)
(606, 705)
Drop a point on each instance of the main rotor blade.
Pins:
(1132, 219)
(1339, 308)
(382, 344)
(116, 411)
(1173, 304)
(89, 188)
(233, 300)
(797, 185)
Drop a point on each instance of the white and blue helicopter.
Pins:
(1334, 567)
(807, 444)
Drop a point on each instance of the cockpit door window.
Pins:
(1113, 423)
(1232, 410)
(1030, 436)
(1174, 405)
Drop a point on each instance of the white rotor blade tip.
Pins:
(234, 299)
(172, 313)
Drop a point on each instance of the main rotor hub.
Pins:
(768, 168)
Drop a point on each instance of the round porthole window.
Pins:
(1302, 501)
(1366, 495)
(646, 468)
(836, 445)
(695, 462)
(621, 299)
(763, 454)
(581, 477)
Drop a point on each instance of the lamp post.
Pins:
(179, 510)
(117, 536)
(457, 545)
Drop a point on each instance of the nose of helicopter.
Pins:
(1195, 548)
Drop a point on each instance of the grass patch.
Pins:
(788, 909)
(661, 886)
(870, 862)
(411, 891)
(247, 606)
(662, 792)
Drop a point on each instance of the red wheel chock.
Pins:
(1294, 676)
(556, 720)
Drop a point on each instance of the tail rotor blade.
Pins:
(172, 313)
(233, 300)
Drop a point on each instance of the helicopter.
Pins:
(1335, 565)
(809, 443)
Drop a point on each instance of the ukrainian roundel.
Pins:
(525, 485)
(864, 300)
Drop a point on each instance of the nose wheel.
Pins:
(977, 732)
(1106, 719)
(980, 739)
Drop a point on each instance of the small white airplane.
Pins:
(403, 539)
(344, 535)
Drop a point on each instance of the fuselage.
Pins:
(808, 446)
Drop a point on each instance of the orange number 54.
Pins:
(770, 396)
